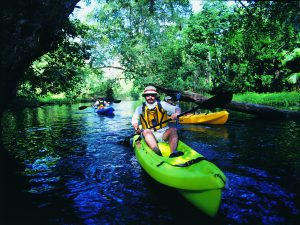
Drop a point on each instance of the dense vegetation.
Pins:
(251, 46)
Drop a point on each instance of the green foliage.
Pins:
(221, 47)
(294, 78)
(248, 48)
(273, 99)
(109, 92)
(141, 34)
(58, 71)
(244, 47)
(291, 66)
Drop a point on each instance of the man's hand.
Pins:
(174, 116)
(138, 131)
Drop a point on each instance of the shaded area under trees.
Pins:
(29, 29)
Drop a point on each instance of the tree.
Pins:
(235, 47)
(29, 29)
(291, 67)
(205, 44)
(135, 32)
(60, 70)
(268, 28)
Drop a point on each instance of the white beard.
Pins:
(151, 106)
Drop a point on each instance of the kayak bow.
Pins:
(198, 180)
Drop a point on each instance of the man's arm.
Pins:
(135, 118)
(173, 110)
(174, 115)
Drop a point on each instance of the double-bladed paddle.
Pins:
(217, 101)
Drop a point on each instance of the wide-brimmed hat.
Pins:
(149, 90)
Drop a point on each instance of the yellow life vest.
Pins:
(151, 117)
(101, 105)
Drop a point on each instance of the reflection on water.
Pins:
(77, 172)
(213, 131)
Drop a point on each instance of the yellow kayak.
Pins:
(209, 118)
(198, 180)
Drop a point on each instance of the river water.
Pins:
(75, 168)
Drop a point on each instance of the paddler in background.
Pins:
(100, 103)
(169, 100)
(151, 113)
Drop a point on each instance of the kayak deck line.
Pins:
(191, 162)
(185, 164)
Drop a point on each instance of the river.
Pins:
(69, 166)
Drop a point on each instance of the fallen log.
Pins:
(262, 110)
(254, 109)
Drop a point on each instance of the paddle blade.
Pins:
(217, 101)
(83, 107)
(127, 141)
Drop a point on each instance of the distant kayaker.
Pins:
(151, 113)
(100, 103)
(169, 100)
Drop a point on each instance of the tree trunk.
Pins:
(29, 29)
(255, 109)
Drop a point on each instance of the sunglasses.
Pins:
(148, 95)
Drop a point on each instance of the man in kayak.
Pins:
(151, 113)
(100, 103)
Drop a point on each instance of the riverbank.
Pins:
(283, 100)
(22, 102)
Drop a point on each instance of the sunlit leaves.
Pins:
(242, 47)
(136, 31)
(59, 71)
